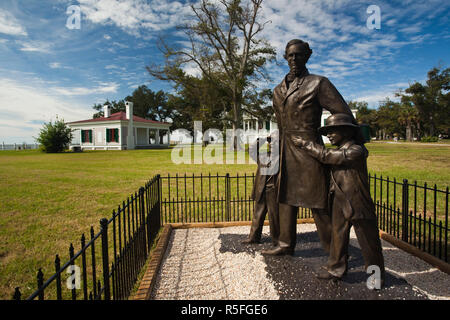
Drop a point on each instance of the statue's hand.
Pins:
(298, 141)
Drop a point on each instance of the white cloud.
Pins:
(23, 108)
(134, 16)
(83, 91)
(10, 25)
(55, 65)
(35, 46)
(374, 97)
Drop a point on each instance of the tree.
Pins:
(149, 104)
(116, 106)
(432, 100)
(387, 119)
(223, 45)
(54, 137)
(146, 104)
(409, 117)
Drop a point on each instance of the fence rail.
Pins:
(18, 146)
(209, 198)
(112, 258)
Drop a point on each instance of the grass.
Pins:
(49, 200)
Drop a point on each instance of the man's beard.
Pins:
(296, 70)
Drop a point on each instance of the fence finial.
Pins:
(17, 294)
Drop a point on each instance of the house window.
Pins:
(86, 136)
(112, 135)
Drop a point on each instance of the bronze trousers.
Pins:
(267, 204)
(288, 226)
(368, 237)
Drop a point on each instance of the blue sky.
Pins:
(47, 69)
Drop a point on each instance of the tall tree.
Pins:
(116, 106)
(149, 104)
(432, 100)
(224, 46)
(387, 119)
(146, 104)
(200, 101)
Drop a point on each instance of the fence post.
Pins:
(105, 257)
(227, 197)
(40, 283)
(405, 209)
(159, 197)
(144, 221)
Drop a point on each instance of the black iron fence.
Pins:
(108, 264)
(417, 214)
(209, 198)
(413, 213)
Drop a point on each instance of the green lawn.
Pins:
(49, 200)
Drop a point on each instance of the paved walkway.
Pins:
(211, 263)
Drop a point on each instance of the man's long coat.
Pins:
(303, 181)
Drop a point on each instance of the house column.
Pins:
(147, 136)
(157, 141)
(120, 137)
(129, 114)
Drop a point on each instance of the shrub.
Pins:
(54, 137)
(429, 139)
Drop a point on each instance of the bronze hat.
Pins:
(337, 120)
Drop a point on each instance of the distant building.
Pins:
(119, 131)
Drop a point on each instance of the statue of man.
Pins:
(303, 181)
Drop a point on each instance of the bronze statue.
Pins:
(264, 193)
(349, 195)
(303, 181)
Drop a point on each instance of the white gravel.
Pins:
(212, 264)
(194, 268)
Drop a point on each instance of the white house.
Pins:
(119, 131)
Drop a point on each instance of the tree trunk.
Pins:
(236, 145)
(409, 132)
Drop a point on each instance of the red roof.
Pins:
(119, 116)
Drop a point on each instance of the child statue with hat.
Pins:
(349, 196)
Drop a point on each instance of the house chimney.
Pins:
(106, 111)
(129, 116)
